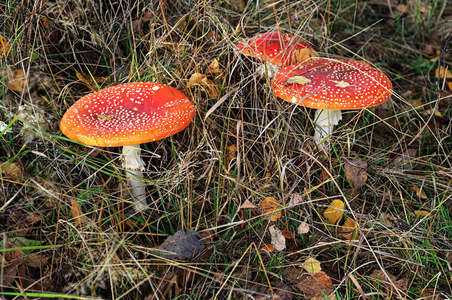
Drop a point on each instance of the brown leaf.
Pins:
(16, 79)
(271, 206)
(13, 171)
(279, 291)
(13, 257)
(77, 213)
(247, 204)
(316, 286)
(335, 211)
(268, 247)
(36, 260)
(404, 161)
(278, 239)
(231, 151)
(295, 199)
(4, 47)
(349, 229)
(356, 173)
(287, 234)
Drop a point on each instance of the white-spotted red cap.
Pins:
(279, 49)
(127, 114)
(332, 84)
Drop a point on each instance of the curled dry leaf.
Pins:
(77, 213)
(268, 247)
(311, 265)
(214, 67)
(4, 47)
(316, 286)
(15, 78)
(356, 173)
(287, 234)
(278, 239)
(13, 171)
(335, 211)
(208, 85)
(271, 206)
(231, 151)
(349, 230)
(303, 228)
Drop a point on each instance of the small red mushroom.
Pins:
(331, 85)
(128, 115)
(278, 50)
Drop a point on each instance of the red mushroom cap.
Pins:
(279, 49)
(332, 84)
(127, 114)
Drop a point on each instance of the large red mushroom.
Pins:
(331, 85)
(128, 115)
(277, 50)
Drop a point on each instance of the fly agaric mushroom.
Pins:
(128, 115)
(331, 85)
(278, 50)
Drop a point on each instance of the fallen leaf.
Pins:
(311, 265)
(302, 55)
(419, 193)
(443, 72)
(91, 81)
(247, 204)
(13, 171)
(214, 67)
(181, 245)
(389, 220)
(208, 85)
(77, 213)
(335, 211)
(271, 206)
(15, 79)
(36, 260)
(13, 257)
(268, 247)
(382, 278)
(303, 228)
(231, 151)
(295, 199)
(278, 239)
(287, 234)
(4, 47)
(316, 286)
(404, 161)
(349, 229)
(422, 213)
(355, 171)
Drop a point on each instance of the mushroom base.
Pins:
(134, 165)
(325, 120)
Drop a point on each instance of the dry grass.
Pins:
(103, 251)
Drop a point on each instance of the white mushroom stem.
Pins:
(134, 165)
(325, 120)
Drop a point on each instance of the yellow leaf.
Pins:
(231, 151)
(335, 211)
(302, 55)
(349, 230)
(4, 47)
(208, 85)
(443, 72)
(195, 78)
(421, 213)
(271, 206)
(214, 67)
(312, 265)
(15, 78)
